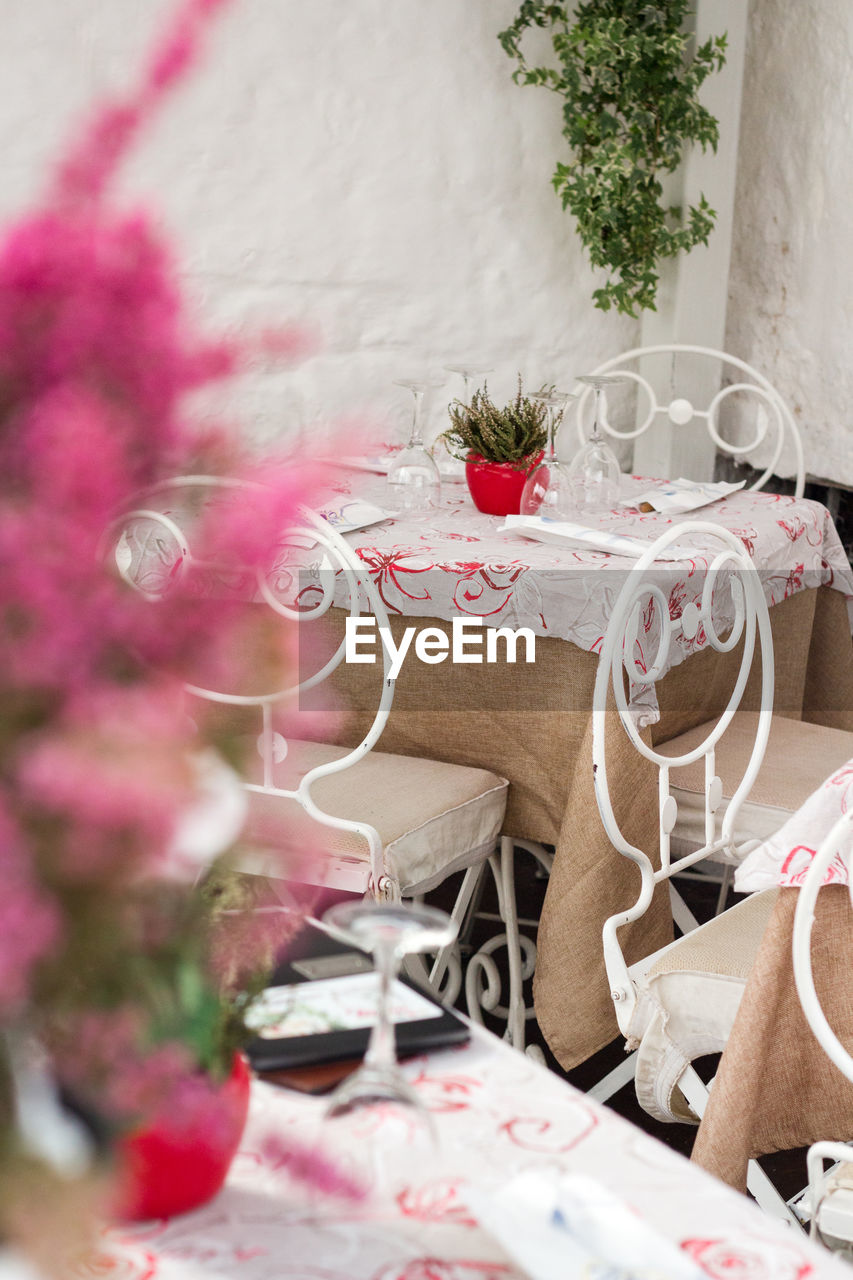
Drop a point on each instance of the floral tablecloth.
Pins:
(785, 858)
(454, 560)
(498, 1113)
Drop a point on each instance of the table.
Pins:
(498, 1113)
(533, 725)
(775, 1088)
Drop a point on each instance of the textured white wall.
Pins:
(370, 168)
(363, 165)
(791, 283)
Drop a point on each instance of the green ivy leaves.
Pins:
(629, 86)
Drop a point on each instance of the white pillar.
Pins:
(692, 295)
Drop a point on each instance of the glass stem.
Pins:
(595, 432)
(417, 429)
(552, 448)
(381, 1048)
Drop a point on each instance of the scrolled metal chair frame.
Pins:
(617, 656)
(338, 557)
(680, 411)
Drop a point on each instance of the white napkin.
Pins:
(680, 495)
(350, 514)
(573, 1228)
(565, 532)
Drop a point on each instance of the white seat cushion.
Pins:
(433, 818)
(689, 993)
(799, 757)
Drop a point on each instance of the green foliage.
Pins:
(630, 109)
(512, 434)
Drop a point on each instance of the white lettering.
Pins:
(396, 655)
(511, 639)
(352, 639)
(461, 638)
(432, 645)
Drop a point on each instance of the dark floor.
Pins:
(787, 1170)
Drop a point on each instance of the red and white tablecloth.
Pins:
(454, 561)
(785, 858)
(498, 1114)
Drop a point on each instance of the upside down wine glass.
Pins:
(389, 931)
(414, 483)
(595, 471)
(454, 468)
(548, 489)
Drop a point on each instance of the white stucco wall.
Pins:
(368, 167)
(791, 283)
(365, 166)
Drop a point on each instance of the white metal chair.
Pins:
(773, 419)
(680, 1002)
(394, 826)
(830, 1192)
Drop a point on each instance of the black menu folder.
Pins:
(318, 1009)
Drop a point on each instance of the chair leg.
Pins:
(447, 957)
(614, 1080)
(505, 881)
(482, 967)
(767, 1197)
(681, 913)
(758, 1184)
(725, 885)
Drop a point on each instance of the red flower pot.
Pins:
(496, 487)
(176, 1164)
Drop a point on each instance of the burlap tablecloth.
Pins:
(532, 724)
(775, 1088)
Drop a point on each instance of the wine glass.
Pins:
(595, 471)
(389, 931)
(414, 483)
(454, 468)
(467, 370)
(549, 488)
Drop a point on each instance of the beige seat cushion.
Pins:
(689, 994)
(799, 757)
(433, 818)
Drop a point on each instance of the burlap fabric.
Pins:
(775, 1088)
(532, 724)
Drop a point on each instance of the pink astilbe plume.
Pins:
(84, 174)
(108, 955)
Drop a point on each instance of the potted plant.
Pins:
(498, 446)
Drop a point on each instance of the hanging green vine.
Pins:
(629, 88)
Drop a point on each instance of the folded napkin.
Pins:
(350, 514)
(675, 496)
(571, 1227)
(566, 533)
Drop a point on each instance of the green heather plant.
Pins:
(629, 86)
(513, 434)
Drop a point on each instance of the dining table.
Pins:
(532, 722)
(775, 1088)
(527, 1179)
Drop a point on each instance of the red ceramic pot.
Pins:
(172, 1167)
(496, 487)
